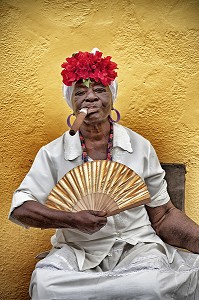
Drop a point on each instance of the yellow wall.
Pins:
(156, 45)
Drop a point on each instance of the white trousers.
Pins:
(140, 272)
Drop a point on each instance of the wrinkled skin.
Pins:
(89, 221)
(97, 98)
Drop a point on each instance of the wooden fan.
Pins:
(99, 185)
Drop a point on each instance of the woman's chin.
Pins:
(95, 118)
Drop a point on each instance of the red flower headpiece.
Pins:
(87, 66)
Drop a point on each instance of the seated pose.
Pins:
(140, 253)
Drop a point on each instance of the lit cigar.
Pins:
(78, 121)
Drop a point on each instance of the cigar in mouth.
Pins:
(78, 121)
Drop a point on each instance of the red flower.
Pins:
(85, 65)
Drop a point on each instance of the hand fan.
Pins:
(99, 185)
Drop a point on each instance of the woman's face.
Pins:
(97, 98)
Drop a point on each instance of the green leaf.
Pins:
(87, 82)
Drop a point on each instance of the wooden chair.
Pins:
(175, 177)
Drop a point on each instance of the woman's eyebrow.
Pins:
(99, 85)
(80, 86)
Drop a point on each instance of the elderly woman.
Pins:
(131, 255)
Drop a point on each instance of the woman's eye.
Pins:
(80, 93)
(99, 90)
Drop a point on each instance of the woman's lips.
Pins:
(92, 109)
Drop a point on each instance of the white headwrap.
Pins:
(68, 90)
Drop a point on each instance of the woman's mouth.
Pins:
(92, 109)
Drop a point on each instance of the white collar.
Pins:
(73, 149)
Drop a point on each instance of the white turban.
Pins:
(68, 90)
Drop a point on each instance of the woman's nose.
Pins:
(91, 96)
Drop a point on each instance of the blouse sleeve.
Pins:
(155, 181)
(37, 184)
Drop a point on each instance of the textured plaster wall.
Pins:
(156, 45)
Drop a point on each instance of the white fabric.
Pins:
(127, 273)
(132, 226)
(63, 154)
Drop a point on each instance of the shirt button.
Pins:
(118, 234)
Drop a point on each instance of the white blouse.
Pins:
(133, 225)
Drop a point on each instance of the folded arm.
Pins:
(174, 227)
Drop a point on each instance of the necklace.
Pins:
(109, 148)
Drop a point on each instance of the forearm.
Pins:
(178, 230)
(34, 214)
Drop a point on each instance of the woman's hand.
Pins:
(88, 221)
